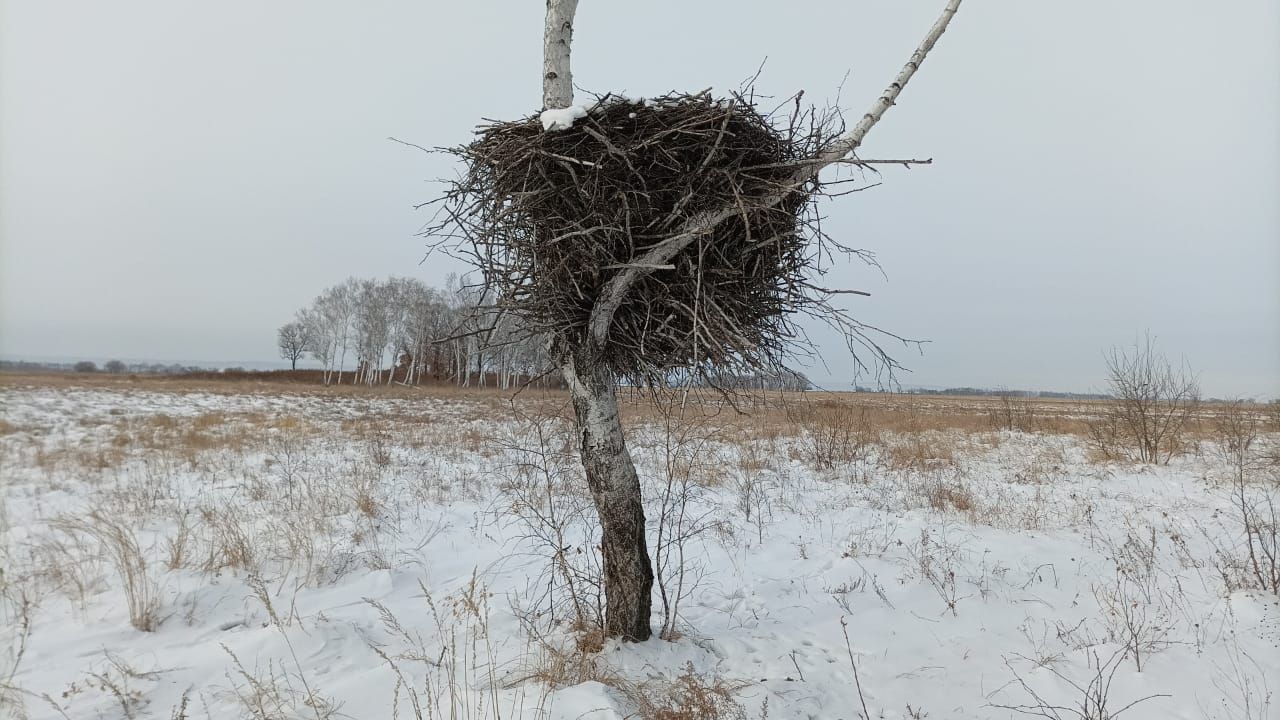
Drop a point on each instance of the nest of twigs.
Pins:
(550, 216)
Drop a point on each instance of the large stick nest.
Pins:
(550, 216)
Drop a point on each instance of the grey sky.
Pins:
(177, 178)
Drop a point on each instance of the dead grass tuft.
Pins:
(558, 667)
(689, 696)
(228, 546)
(950, 497)
(920, 451)
(121, 546)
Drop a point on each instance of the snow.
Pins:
(561, 118)
(392, 558)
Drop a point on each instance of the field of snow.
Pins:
(184, 554)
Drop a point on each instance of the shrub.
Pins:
(1154, 403)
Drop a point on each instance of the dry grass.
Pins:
(229, 545)
(299, 519)
(692, 695)
(943, 496)
(119, 544)
(232, 385)
(275, 693)
(188, 438)
(576, 662)
(920, 451)
(689, 696)
(764, 413)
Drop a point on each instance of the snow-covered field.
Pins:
(200, 555)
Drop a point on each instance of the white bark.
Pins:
(853, 139)
(557, 79)
(615, 490)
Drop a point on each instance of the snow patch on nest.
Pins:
(561, 118)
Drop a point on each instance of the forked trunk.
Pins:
(615, 487)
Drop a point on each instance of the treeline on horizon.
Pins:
(401, 330)
(997, 392)
(794, 382)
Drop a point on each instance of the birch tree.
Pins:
(610, 472)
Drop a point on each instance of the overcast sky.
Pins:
(176, 178)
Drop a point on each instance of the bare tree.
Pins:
(451, 335)
(320, 342)
(294, 341)
(1154, 402)
(610, 472)
(651, 239)
(330, 318)
(86, 366)
(115, 367)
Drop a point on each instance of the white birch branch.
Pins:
(616, 289)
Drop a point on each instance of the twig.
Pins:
(844, 628)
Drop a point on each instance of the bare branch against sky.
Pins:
(175, 179)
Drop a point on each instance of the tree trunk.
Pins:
(611, 476)
(615, 487)
(557, 38)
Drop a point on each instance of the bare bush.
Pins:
(540, 480)
(936, 560)
(686, 458)
(1252, 562)
(1259, 513)
(1242, 682)
(1139, 626)
(1092, 701)
(1154, 403)
(834, 433)
(1014, 411)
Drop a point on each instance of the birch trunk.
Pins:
(611, 475)
(615, 488)
(557, 80)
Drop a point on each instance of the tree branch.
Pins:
(616, 289)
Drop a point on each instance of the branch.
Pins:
(843, 161)
(853, 140)
(616, 289)
(557, 80)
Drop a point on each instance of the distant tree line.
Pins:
(403, 330)
(115, 367)
(997, 392)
